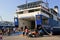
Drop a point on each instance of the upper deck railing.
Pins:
(32, 5)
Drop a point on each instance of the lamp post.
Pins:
(1, 18)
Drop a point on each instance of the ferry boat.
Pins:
(37, 13)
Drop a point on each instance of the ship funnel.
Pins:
(56, 9)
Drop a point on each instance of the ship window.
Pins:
(20, 12)
(33, 10)
(51, 16)
(45, 22)
(36, 9)
(54, 13)
(45, 12)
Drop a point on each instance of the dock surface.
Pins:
(21, 37)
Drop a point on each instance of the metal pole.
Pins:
(46, 3)
(26, 4)
(1, 18)
(39, 0)
(35, 22)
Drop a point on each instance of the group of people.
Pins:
(39, 31)
(8, 31)
(25, 31)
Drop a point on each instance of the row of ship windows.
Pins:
(31, 5)
(29, 11)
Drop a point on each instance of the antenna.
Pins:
(47, 4)
(26, 4)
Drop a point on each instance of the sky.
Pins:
(8, 7)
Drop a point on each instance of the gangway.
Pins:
(49, 26)
(39, 21)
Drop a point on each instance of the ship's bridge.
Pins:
(32, 5)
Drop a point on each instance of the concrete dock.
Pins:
(21, 37)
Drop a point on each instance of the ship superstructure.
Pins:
(26, 14)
